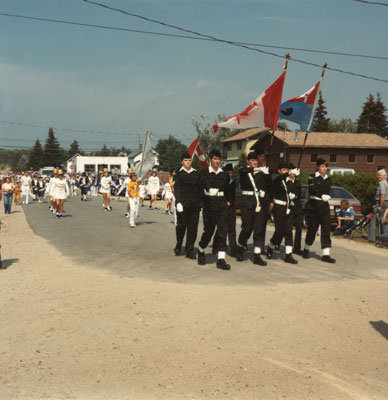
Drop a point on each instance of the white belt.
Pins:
(315, 198)
(248, 193)
(280, 202)
(218, 194)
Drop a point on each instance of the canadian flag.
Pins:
(264, 111)
(195, 149)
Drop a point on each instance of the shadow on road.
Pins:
(8, 262)
(381, 327)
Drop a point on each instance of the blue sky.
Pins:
(127, 83)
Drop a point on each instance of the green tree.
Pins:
(74, 149)
(35, 159)
(104, 152)
(23, 162)
(170, 151)
(207, 138)
(381, 118)
(52, 153)
(345, 125)
(321, 122)
(366, 120)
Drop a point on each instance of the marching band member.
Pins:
(84, 185)
(142, 192)
(319, 211)
(283, 215)
(50, 190)
(167, 195)
(215, 210)
(106, 184)
(26, 187)
(124, 185)
(133, 197)
(61, 193)
(294, 186)
(153, 188)
(188, 202)
(40, 189)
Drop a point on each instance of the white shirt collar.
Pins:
(215, 172)
(289, 179)
(318, 174)
(189, 171)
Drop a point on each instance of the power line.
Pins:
(192, 37)
(228, 41)
(375, 3)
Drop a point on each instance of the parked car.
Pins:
(340, 171)
(159, 195)
(337, 194)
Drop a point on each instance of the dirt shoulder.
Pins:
(69, 331)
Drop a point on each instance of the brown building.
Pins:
(363, 152)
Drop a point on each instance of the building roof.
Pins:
(333, 139)
(246, 135)
(134, 153)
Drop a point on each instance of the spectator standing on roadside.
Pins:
(7, 189)
(381, 204)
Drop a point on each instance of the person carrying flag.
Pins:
(133, 198)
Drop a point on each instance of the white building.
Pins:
(136, 156)
(95, 164)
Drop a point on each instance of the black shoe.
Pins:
(328, 259)
(233, 252)
(240, 253)
(201, 258)
(306, 254)
(190, 255)
(269, 253)
(221, 264)
(177, 250)
(258, 260)
(289, 259)
(297, 251)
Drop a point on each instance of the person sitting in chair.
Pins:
(346, 218)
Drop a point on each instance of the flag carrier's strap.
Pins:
(315, 198)
(218, 194)
(280, 202)
(248, 192)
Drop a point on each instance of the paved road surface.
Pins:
(104, 240)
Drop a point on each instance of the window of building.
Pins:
(333, 158)
(115, 168)
(313, 158)
(90, 168)
(352, 158)
(229, 146)
(101, 167)
(239, 145)
(370, 159)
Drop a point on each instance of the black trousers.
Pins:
(319, 214)
(212, 218)
(298, 224)
(253, 221)
(187, 222)
(283, 225)
(231, 215)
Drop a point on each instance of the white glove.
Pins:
(264, 170)
(179, 207)
(261, 193)
(291, 196)
(213, 191)
(295, 171)
(325, 197)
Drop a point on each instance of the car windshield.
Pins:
(340, 193)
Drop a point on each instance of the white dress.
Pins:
(153, 185)
(61, 189)
(167, 192)
(106, 183)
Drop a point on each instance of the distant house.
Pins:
(136, 156)
(242, 142)
(363, 152)
(95, 164)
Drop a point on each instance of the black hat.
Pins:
(252, 155)
(282, 165)
(185, 155)
(321, 161)
(227, 167)
(259, 152)
(291, 166)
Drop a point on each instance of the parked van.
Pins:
(340, 171)
(46, 171)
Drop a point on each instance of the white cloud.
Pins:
(201, 83)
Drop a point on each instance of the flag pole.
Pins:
(143, 154)
(288, 56)
(311, 117)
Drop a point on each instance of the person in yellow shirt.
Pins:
(133, 195)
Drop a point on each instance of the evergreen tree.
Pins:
(52, 153)
(381, 122)
(366, 120)
(104, 151)
(74, 149)
(170, 151)
(35, 159)
(321, 122)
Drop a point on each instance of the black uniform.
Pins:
(188, 191)
(252, 219)
(231, 216)
(84, 184)
(215, 209)
(35, 188)
(296, 208)
(318, 210)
